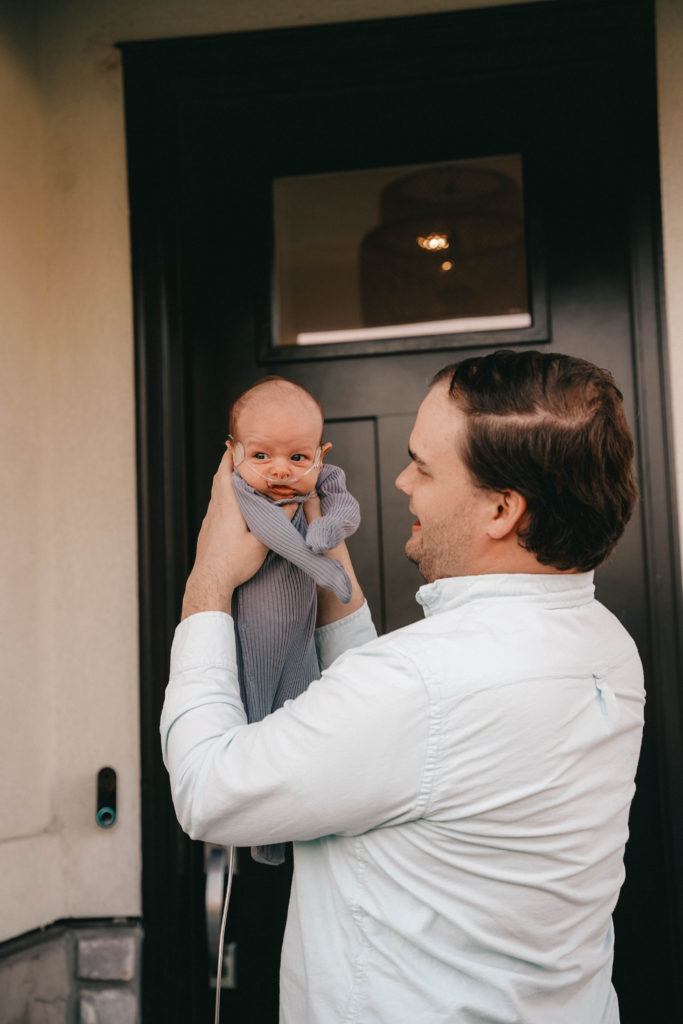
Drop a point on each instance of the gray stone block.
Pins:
(109, 958)
(35, 984)
(108, 1006)
(48, 1013)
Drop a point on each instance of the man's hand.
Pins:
(227, 553)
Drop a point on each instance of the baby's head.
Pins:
(276, 430)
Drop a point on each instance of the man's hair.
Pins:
(552, 428)
(286, 385)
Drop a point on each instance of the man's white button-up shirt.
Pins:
(457, 792)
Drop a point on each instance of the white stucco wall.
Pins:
(68, 597)
(670, 103)
(28, 839)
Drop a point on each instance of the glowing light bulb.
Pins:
(447, 265)
(433, 242)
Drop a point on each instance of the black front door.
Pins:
(212, 123)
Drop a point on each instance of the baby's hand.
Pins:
(312, 508)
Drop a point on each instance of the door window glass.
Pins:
(400, 252)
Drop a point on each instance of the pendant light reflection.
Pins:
(433, 242)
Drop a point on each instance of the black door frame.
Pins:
(157, 75)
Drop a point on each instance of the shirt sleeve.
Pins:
(341, 512)
(346, 756)
(340, 636)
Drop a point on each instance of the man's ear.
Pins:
(508, 509)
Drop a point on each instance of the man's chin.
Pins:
(415, 555)
(412, 550)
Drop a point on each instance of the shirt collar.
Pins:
(553, 589)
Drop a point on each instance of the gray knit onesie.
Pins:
(275, 610)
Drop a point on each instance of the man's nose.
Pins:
(403, 480)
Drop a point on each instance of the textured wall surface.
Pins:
(670, 97)
(28, 841)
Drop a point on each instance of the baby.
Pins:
(282, 487)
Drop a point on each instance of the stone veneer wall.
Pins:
(73, 973)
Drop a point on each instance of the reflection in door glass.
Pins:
(400, 252)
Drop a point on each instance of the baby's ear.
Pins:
(325, 449)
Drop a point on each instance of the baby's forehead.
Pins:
(270, 407)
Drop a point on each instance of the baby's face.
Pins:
(280, 440)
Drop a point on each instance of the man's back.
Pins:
(482, 885)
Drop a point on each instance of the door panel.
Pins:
(211, 123)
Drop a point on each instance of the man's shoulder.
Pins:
(398, 647)
(404, 650)
(483, 646)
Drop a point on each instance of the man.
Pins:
(457, 791)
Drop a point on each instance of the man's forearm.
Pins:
(330, 608)
(206, 591)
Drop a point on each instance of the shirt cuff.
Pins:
(353, 630)
(206, 638)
